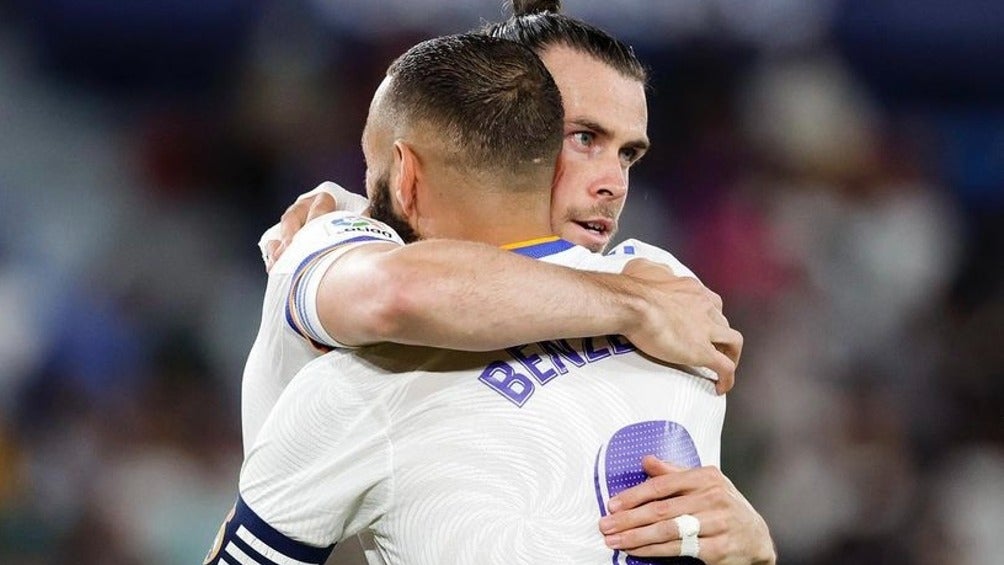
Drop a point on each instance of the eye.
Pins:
(583, 138)
(631, 155)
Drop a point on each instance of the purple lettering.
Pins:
(561, 348)
(531, 362)
(620, 345)
(504, 380)
(593, 355)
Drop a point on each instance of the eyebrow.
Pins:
(639, 144)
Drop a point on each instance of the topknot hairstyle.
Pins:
(530, 7)
(539, 25)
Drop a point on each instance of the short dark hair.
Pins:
(539, 25)
(490, 99)
(525, 7)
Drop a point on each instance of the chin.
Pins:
(591, 241)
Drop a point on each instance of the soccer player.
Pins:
(425, 166)
(605, 131)
(437, 294)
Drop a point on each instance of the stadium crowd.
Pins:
(834, 169)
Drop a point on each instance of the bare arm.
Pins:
(475, 297)
(449, 294)
(467, 296)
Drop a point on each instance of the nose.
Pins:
(612, 180)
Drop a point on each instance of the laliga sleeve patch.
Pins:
(361, 227)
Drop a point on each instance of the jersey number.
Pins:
(618, 465)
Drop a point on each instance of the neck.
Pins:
(496, 219)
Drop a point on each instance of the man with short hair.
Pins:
(453, 457)
(604, 137)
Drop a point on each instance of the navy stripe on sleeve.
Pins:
(249, 540)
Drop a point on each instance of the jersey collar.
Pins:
(540, 247)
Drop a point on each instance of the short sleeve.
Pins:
(312, 252)
(319, 470)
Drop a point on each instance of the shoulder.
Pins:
(333, 230)
(637, 249)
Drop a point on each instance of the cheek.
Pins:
(561, 198)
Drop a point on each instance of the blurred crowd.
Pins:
(833, 168)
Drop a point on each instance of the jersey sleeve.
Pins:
(635, 249)
(320, 468)
(313, 250)
(344, 201)
(246, 539)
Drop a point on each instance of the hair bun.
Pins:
(528, 7)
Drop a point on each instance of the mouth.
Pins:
(598, 226)
(598, 230)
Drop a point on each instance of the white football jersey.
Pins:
(453, 457)
(290, 334)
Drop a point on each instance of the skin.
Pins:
(606, 121)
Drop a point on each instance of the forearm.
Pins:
(470, 296)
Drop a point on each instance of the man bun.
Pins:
(529, 7)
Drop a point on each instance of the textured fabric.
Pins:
(498, 457)
(290, 334)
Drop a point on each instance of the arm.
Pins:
(319, 472)
(326, 197)
(641, 519)
(468, 296)
(475, 297)
(441, 293)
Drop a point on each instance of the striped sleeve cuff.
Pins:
(246, 539)
(301, 304)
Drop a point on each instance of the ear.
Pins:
(406, 164)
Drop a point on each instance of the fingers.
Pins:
(648, 514)
(667, 549)
(296, 216)
(724, 367)
(731, 531)
(293, 219)
(718, 318)
(729, 342)
(272, 249)
(650, 270)
(708, 553)
(716, 298)
(656, 532)
(321, 204)
(654, 466)
(655, 488)
(657, 538)
(728, 349)
(679, 482)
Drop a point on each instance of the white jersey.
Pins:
(452, 457)
(290, 334)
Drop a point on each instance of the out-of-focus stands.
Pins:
(833, 168)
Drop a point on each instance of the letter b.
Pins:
(504, 380)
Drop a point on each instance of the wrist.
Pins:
(630, 306)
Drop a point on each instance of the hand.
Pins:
(327, 197)
(305, 208)
(684, 323)
(641, 523)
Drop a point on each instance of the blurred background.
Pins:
(834, 168)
